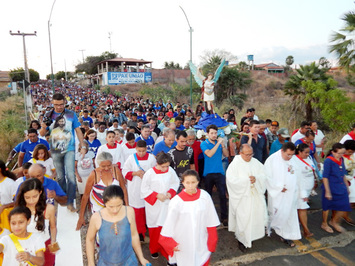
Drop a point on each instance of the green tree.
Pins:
(294, 87)
(172, 65)
(242, 66)
(289, 60)
(324, 63)
(334, 105)
(90, 64)
(212, 64)
(230, 82)
(18, 74)
(343, 41)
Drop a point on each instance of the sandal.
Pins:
(337, 227)
(327, 228)
(288, 242)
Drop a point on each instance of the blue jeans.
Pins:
(220, 181)
(66, 179)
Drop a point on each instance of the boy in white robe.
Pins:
(129, 146)
(189, 234)
(159, 185)
(283, 194)
(113, 148)
(246, 184)
(133, 170)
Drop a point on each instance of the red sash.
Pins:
(352, 135)
(305, 163)
(310, 145)
(335, 160)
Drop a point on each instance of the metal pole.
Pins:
(26, 93)
(191, 30)
(50, 45)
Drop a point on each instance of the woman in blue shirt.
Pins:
(335, 190)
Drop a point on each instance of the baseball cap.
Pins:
(275, 123)
(283, 132)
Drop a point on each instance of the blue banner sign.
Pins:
(116, 78)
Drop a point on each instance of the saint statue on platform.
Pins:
(207, 84)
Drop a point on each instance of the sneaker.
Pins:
(171, 264)
(155, 255)
(71, 208)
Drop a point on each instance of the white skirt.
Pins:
(208, 98)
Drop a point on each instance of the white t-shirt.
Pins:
(318, 139)
(6, 187)
(17, 184)
(47, 163)
(32, 244)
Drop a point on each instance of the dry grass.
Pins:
(12, 124)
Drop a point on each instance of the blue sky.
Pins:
(157, 30)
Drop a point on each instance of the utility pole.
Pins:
(26, 92)
(82, 53)
(50, 45)
(27, 73)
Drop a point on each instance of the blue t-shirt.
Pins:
(27, 147)
(142, 117)
(52, 185)
(212, 164)
(149, 141)
(62, 138)
(312, 147)
(181, 127)
(17, 149)
(94, 146)
(161, 146)
(276, 146)
(89, 119)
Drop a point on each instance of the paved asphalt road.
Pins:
(322, 249)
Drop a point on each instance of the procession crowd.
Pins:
(138, 165)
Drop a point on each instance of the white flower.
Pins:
(227, 130)
(200, 133)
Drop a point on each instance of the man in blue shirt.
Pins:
(167, 144)
(64, 126)
(86, 117)
(51, 188)
(282, 138)
(213, 172)
(178, 123)
(145, 135)
(29, 145)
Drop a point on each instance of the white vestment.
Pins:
(282, 206)
(247, 206)
(134, 186)
(127, 150)
(159, 183)
(115, 152)
(187, 223)
(350, 167)
(305, 177)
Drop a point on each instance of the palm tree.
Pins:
(301, 98)
(289, 60)
(343, 41)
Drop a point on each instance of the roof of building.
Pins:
(4, 75)
(269, 66)
(127, 61)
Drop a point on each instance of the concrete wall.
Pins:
(180, 76)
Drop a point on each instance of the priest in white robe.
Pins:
(283, 192)
(246, 184)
